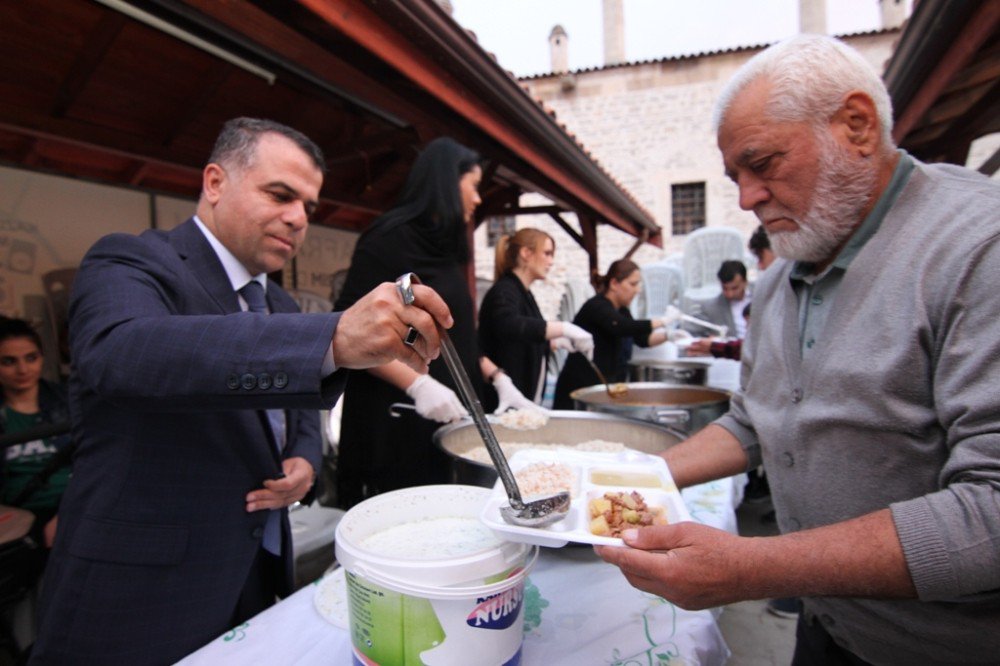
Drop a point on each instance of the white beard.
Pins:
(843, 188)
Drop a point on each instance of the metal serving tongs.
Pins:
(536, 513)
(719, 329)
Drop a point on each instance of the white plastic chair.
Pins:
(662, 285)
(675, 259)
(704, 251)
(578, 290)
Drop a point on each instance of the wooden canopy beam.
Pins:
(359, 22)
(979, 28)
(569, 230)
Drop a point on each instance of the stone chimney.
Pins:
(893, 13)
(614, 32)
(812, 16)
(559, 50)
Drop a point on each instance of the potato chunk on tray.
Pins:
(616, 512)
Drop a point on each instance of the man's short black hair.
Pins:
(730, 269)
(237, 142)
(759, 241)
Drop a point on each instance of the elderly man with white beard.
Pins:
(868, 386)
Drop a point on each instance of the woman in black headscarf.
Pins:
(426, 233)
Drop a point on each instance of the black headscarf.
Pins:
(431, 200)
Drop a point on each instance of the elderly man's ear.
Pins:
(856, 124)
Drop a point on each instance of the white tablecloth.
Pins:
(578, 610)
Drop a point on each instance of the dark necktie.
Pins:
(253, 294)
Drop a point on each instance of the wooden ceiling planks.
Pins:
(89, 92)
(944, 78)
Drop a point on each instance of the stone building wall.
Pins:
(650, 126)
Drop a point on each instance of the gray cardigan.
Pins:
(898, 406)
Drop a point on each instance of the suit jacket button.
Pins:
(233, 381)
(280, 380)
(248, 381)
(264, 381)
(258, 533)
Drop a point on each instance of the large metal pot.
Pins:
(563, 427)
(687, 373)
(687, 408)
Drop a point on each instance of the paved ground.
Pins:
(755, 636)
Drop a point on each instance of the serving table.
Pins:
(578, 610)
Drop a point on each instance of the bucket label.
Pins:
(499, 611)
(392, 628)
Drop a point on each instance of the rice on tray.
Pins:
(542, 478)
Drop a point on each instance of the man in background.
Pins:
(726, 309)
(760, 246)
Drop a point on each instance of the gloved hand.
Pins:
(579, 339)
(679, 337)
(435, 401)
(671, 316)
(561, 343)
(510, 397)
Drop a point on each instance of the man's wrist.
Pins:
(492, 377)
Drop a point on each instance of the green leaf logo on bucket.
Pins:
(428, 583)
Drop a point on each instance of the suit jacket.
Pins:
(715, 310)
(169, 382)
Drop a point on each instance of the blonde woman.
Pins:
(512, 331)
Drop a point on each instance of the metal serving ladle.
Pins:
(614, 392)
(536, 513)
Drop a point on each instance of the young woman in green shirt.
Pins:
(28, 401)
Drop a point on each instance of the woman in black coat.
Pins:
(426, 233)
(512, 330)
(607, 317)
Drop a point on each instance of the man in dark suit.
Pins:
(194, 402)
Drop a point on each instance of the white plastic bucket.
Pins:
(436, 610)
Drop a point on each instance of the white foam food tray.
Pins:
(595, 474)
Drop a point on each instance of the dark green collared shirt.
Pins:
(816, 292)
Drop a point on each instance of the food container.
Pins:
(569, 428)
(427, 583)
(688, 373)
(687, 408)
(593, 475)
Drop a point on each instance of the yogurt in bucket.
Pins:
(428, 583)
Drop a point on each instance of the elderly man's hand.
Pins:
(371, 332)
(688, 564)
(277, 493)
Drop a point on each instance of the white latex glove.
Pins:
(671, 316)
(510, 397)
(435, 401)
(561, 343)
(680, 337)
(581, 340)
